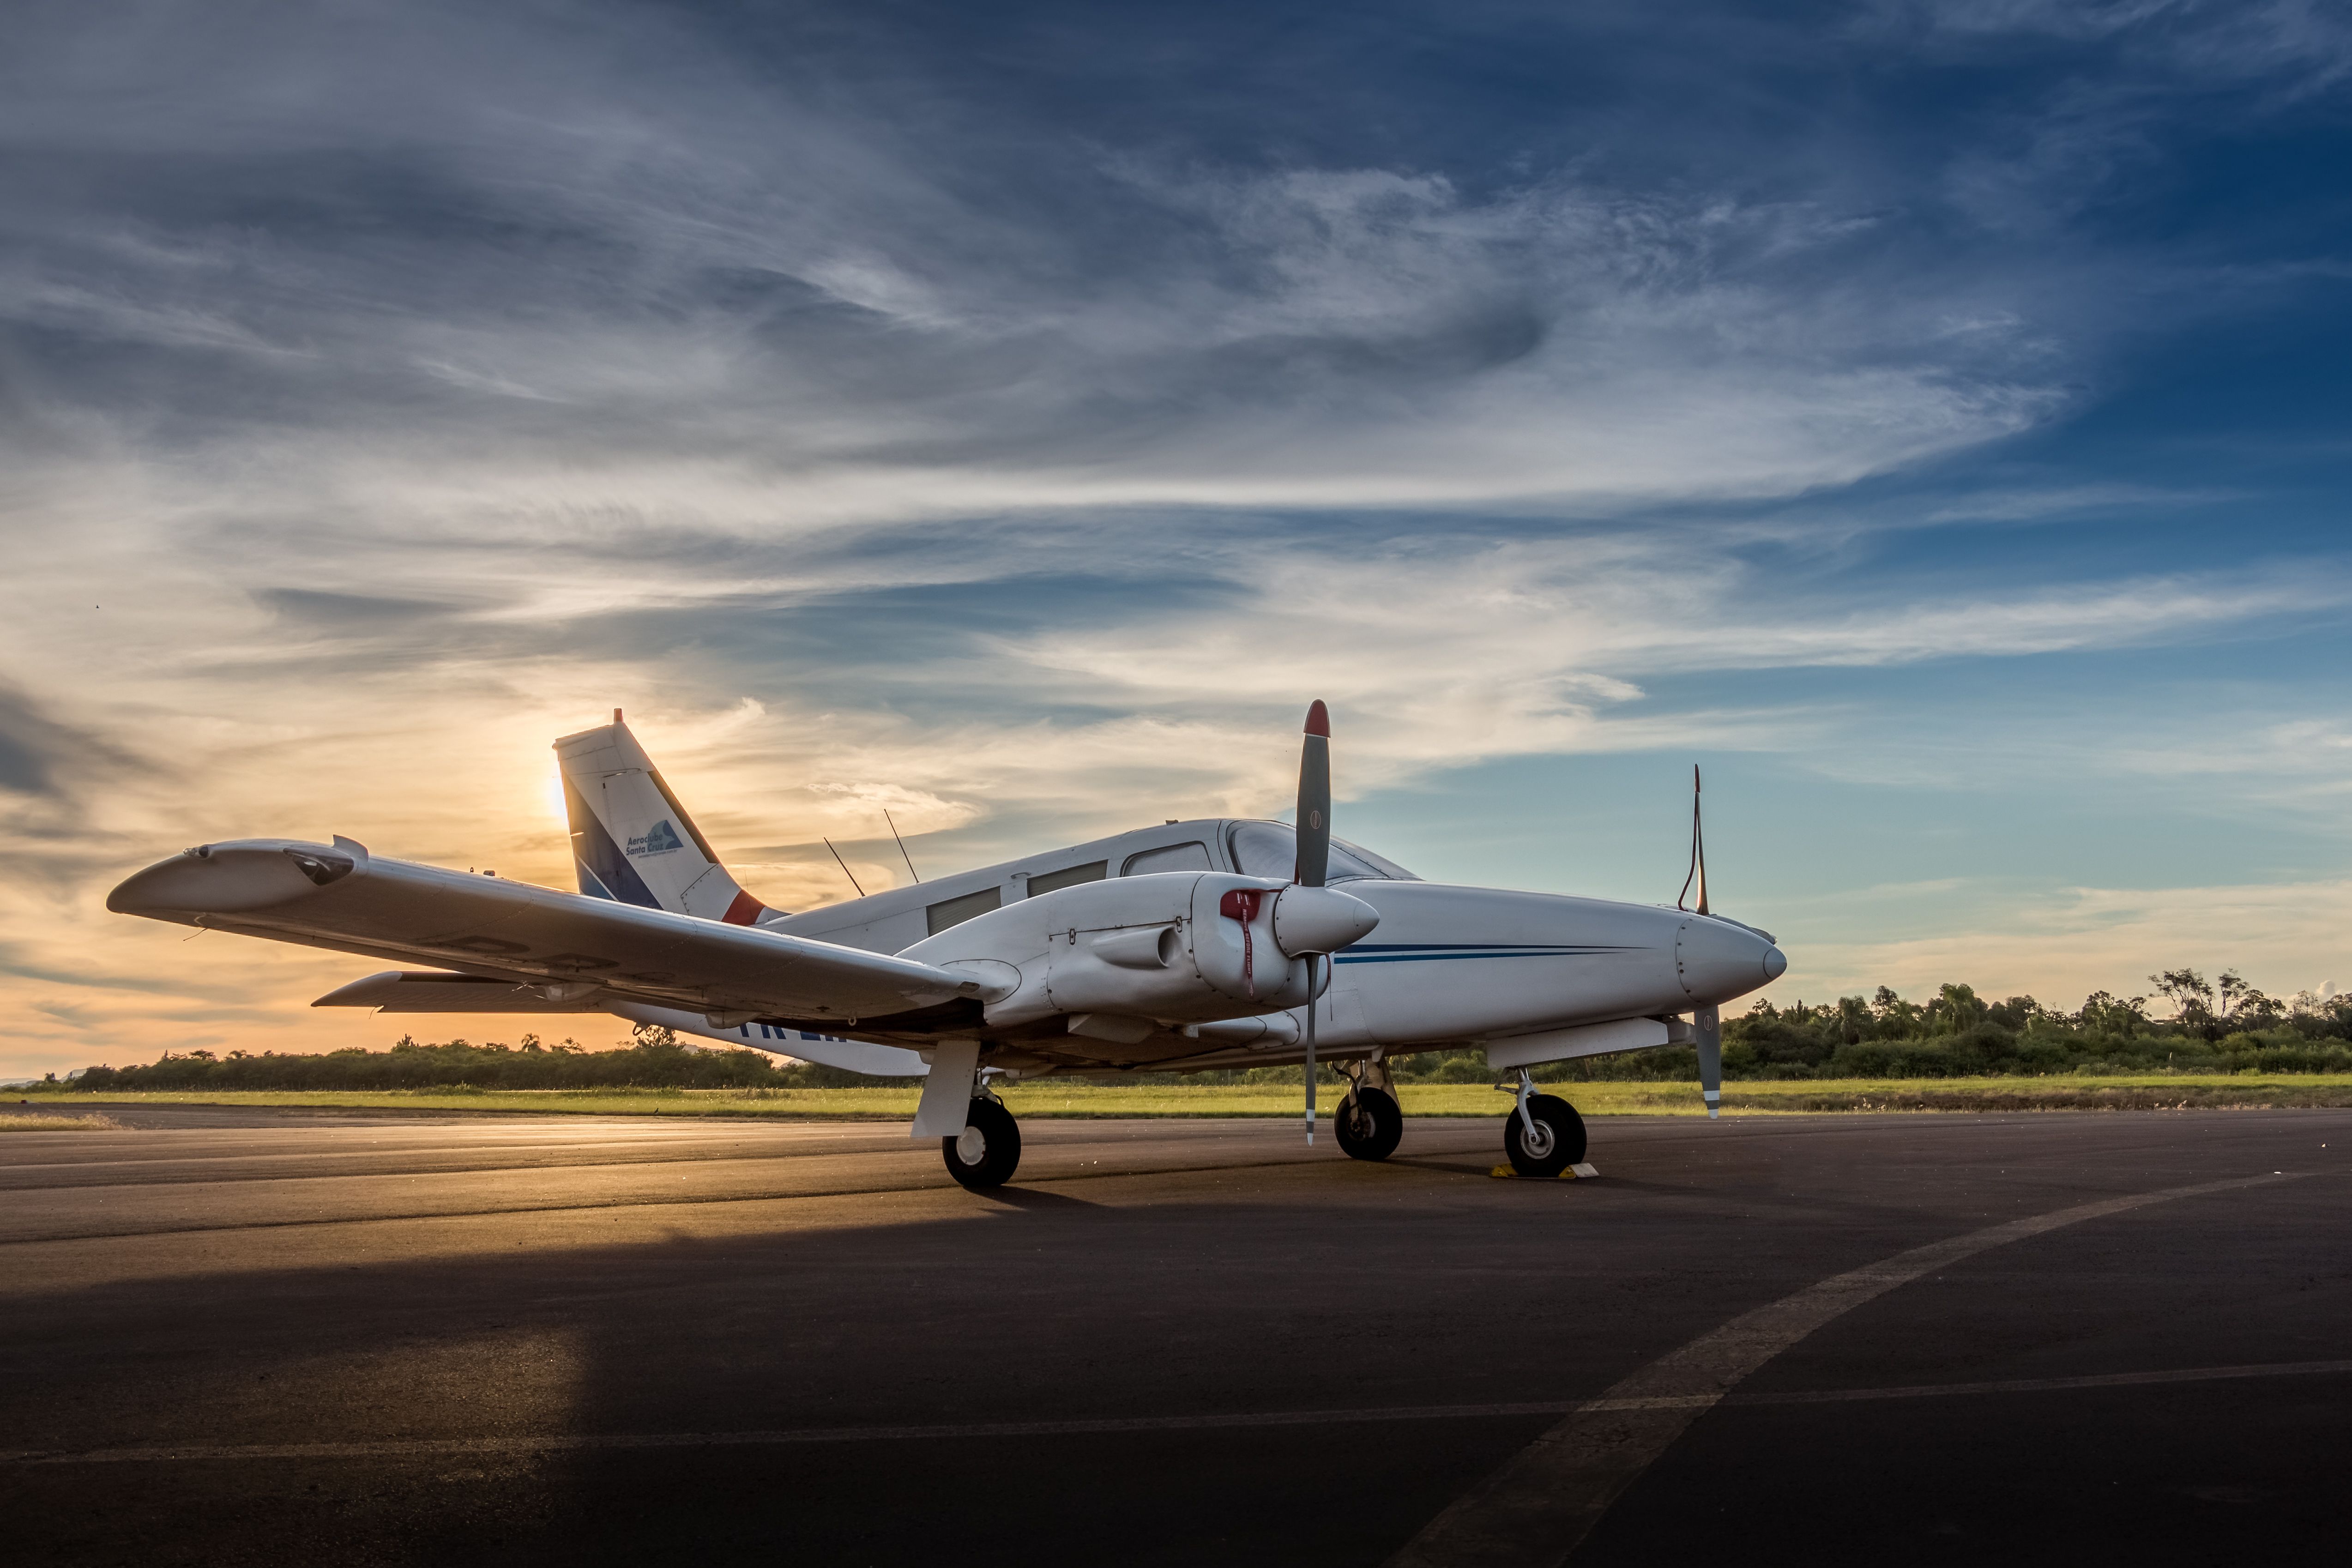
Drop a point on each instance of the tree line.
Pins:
(654, 1059)
(2226, 1026)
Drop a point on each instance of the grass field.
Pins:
(2158, 1092)
(14, 1123)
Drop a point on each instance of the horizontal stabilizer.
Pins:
(434, 991)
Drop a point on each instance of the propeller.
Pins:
(1314, 863)
(1707, 1023)
(1311, 920)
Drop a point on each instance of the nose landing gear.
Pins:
(1370, 1123)
(1543, 1135)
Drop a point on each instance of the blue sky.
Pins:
(1929, 417)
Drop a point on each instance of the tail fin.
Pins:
(631, 840)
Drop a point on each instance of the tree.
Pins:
(1953, 1010)
(2107, 1013)
(2191, 999)
(2017, 1012)
(2244, 1007)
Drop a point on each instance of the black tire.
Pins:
(991, 1163)
(1558, 1142)
(1369, 1124)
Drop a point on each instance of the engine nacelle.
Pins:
(1182, 947)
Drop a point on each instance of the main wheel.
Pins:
(1369, 1124)
(989, 1150)
(1556, 1144)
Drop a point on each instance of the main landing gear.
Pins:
(1369, 1121)
(987, 1151)
(1544, 1135)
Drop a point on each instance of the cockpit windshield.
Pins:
(1270, 849)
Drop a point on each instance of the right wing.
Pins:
(565, 946)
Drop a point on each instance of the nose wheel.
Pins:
(1543, 1135)
(988, 1150)
(1369, 1124)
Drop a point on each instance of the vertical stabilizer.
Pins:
(631, 840)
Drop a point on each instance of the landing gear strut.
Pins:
(1370, 1123)
(1544, 1135)
(988, 1151)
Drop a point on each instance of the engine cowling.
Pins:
(1178, 946)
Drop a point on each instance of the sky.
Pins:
(1932, 419)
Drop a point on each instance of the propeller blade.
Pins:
(1311, 961)
(1315, 800)
(1707, 1024)
(1314, 861)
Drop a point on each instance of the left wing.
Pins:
(565, 946)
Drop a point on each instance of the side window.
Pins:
(1068, 877)
(1168, 858)
(955, 911)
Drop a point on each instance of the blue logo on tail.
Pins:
(660, 839)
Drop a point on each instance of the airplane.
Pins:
(1194, 945)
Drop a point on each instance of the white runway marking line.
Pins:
(1539, 1507)
(442, 1448)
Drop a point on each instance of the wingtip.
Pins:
(1319, 719)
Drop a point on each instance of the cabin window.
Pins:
(955, 911)
(1068, 877)
(1168, 858)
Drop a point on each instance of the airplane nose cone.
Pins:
(1717, 961)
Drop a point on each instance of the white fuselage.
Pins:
(1447, 966)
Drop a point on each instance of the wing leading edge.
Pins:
(566, 947)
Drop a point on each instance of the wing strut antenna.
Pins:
(902, 848)
(845, 868)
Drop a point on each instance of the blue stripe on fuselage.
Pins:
(1440, 952)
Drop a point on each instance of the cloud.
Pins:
(521, 258)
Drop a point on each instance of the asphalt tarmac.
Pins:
(239, 1336)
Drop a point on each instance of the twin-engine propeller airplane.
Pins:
(1192, 945)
